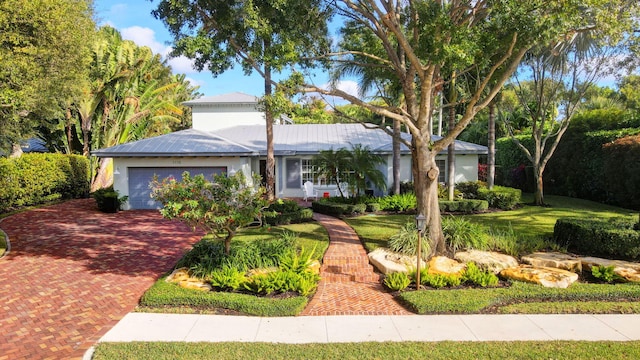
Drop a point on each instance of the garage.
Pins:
(139, 178)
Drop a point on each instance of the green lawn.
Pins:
(528, 220)
(373, 350)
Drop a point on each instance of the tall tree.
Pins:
(484, 39)
(264, 36)
(556, 80)
(44, 53)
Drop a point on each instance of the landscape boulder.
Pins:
(545, 276)
(487, 260)
(442, 265)
(387, 261)
(554, 260)
(626, 269)
(183, 279)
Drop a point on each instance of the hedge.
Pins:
(576, 169)
(34, 179)
(501, 197)
(464, 206)
(283, 212)
(622, 166)
(609, 238)
(334, 209)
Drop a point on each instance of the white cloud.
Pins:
(348, 86)
(144, 36)
(196, 82)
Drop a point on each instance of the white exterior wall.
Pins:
(466, 168)
(216, 117)
(122, 165)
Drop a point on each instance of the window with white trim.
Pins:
(307, 171)
(442, 175)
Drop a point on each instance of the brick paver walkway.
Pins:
(349, 285)
(73, 272)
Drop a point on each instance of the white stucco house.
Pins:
(228, 135)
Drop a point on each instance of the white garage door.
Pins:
(139, 178)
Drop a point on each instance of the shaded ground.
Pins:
(73, 272)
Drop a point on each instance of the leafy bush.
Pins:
(34, 179)
(406, 241)
(470, 189)
(598, 237)
(283, 281)
(605, 273)
(398, 203)
(283, 212)
(501, 197)
(474, 275)
(438, 281)
(397, 281)
(297, 262)
(373, 207)
(227, 278)
(463, 206)
(443, 192)
(461, 233)
(108, 199)
(332, 208)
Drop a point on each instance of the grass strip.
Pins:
(573, 307)
(386, 350)
(469, 301)
(163, 294)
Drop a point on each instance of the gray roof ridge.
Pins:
(211, 133)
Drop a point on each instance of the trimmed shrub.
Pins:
(615, 239)
(373, 207)
(622, 181)
(34, 179)
(284, 212)
(463, 206)
(501, 197)
(470, 189)
(108, 199)
(329, 207)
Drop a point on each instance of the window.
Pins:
(442, 166)
(308, 171)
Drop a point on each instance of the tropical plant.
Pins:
(474, 275)
(406, 241)
(397, 281)
(220, 207)
(461, 233)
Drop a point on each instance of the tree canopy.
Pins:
(44, 57)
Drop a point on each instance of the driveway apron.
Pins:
(73, 272)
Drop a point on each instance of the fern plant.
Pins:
(227, 277)
(605, 273)
(474, 275)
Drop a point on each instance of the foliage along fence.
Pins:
(581, 166)
(34, 179)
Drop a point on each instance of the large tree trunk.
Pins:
(270, 181)
(16, 151)
(104, 175)
(539, 194)
(491, 158)
(396, 156)
(425, 173)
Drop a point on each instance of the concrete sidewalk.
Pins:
(335, 329)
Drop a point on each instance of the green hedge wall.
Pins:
(616, 239)
(576, 169)
(34, 179)
(622, 167)
(464, 206)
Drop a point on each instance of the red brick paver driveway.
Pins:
(73, 272)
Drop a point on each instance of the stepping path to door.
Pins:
(348, 285)
(73, 273)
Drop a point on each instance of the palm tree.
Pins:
(364, 164)
(330, 164)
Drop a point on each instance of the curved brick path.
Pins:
(348, 284)
(73, 272)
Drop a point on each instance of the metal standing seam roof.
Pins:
(248, 140)
(231, 98)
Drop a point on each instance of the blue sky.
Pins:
(134, 21)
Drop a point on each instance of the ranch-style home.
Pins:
(228, 135)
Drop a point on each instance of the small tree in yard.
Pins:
(220, 207)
